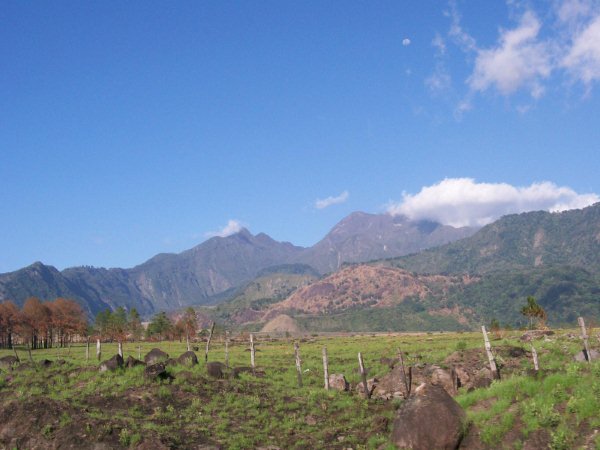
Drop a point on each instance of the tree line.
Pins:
(120, 325)
(41, 324)
(50, 323)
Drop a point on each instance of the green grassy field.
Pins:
(70, 403)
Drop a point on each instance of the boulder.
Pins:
(215, 369)
(338, 381)
(132, 362)
(391, 385)
(443, 378)
(581, 356)
(7, 362)
(155, 355)
(156, 371)
(188, 359)
(431, 419)
(371, 384)
(111, 364)
(530, 335)
(170, 362)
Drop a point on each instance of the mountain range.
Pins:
(215, 269)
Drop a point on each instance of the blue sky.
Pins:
(133, 128)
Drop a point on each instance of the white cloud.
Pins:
(465, 202)
(519, 60)
(570, 11)
(232, 227)
(406, 42)
(583, 58)
(324, 203)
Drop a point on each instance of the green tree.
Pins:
(134, 324)
(534, 311)
(160, 326)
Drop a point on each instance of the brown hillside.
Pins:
(363, 286)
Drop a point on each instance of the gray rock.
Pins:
(188, 359)
(431, 419)
(215, 369)
(155, 355)
(132, 362)
(338, 381)
(581, 356)
(111, 364)
(156, 371)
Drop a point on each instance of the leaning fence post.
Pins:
(407, 383)
(298, 363)
(584, 336)
(535, 358)
(98, 349)
(252, 357)
(212, 328)
(363, 374)
(227, 349)
(488, 349)
(325, 368)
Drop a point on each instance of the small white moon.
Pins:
(406, 42)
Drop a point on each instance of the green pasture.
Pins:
(254, 411)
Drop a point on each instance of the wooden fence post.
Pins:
(87, 349)
(98, 349)
(29, 351)
(488, 349)
(227, 349)
(325, 368)
(14, 347)
(252, 358)
(212, 328)
(298, 363)
(407, 382)
(363, 374)
(535, 358)
(584, 336)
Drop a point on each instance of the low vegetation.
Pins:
(69, 401)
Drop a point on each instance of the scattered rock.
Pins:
(530, 335)
(391, 385)
(431, 419)
(170, 362)
(155, 355)
(443, 378)
(132, 362)
(7, 362)
(338, 381)
(310, 420)
(371, 384)
(156, 371)
(215, 369)
(581, 356)
(188, 359)
(111, 364)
